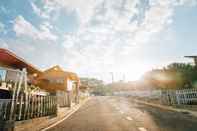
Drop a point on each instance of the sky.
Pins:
(96, 37)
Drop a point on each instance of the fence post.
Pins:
(6, 124)
(20, 107)
(40, 106)
(44, 105)
(29, 99)
(177, 97)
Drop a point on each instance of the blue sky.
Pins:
(95, 37)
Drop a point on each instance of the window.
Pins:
(2, 74)
(57, 80)
(60, 81)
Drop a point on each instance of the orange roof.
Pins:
(44, 78)
(57, 71)
(10, 59)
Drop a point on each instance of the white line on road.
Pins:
(142, 129)
(67, 116)
(129, 118)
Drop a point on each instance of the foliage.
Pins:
(96, 87)
(174, 76)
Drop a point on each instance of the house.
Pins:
(27, 92)
(65, 84)
(53, 81)
(10, 68)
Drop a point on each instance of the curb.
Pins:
(193, 113)
(67, 115)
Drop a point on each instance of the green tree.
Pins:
(174, 76)
(97, 87)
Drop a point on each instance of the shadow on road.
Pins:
(169, 120)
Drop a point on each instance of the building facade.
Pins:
(54, 81)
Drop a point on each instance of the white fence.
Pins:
(168, 97)
(63, 99)
(187, 96)
(18, 101)
(24, 109)
(5, 105)
(180, 97)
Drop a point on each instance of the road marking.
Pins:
(67, 116)
(129, 118)
(142, 129)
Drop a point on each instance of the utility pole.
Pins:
(112, 77)
(123, 78)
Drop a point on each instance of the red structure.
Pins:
(9, 59)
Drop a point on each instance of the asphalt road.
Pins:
(123, 114)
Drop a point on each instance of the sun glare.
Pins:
(135, 71)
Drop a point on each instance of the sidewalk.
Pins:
(194, 113)
(67, 115)
(44, 123)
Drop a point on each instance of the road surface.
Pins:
(122, 114)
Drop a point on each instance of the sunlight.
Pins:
(135, 71)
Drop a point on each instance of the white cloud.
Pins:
(24, 28)
(83, 8)
(108, 37)
(3, 44)
(2, 28)
(45, 32)
(110, 31)
(38, 11)
(186, 2)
